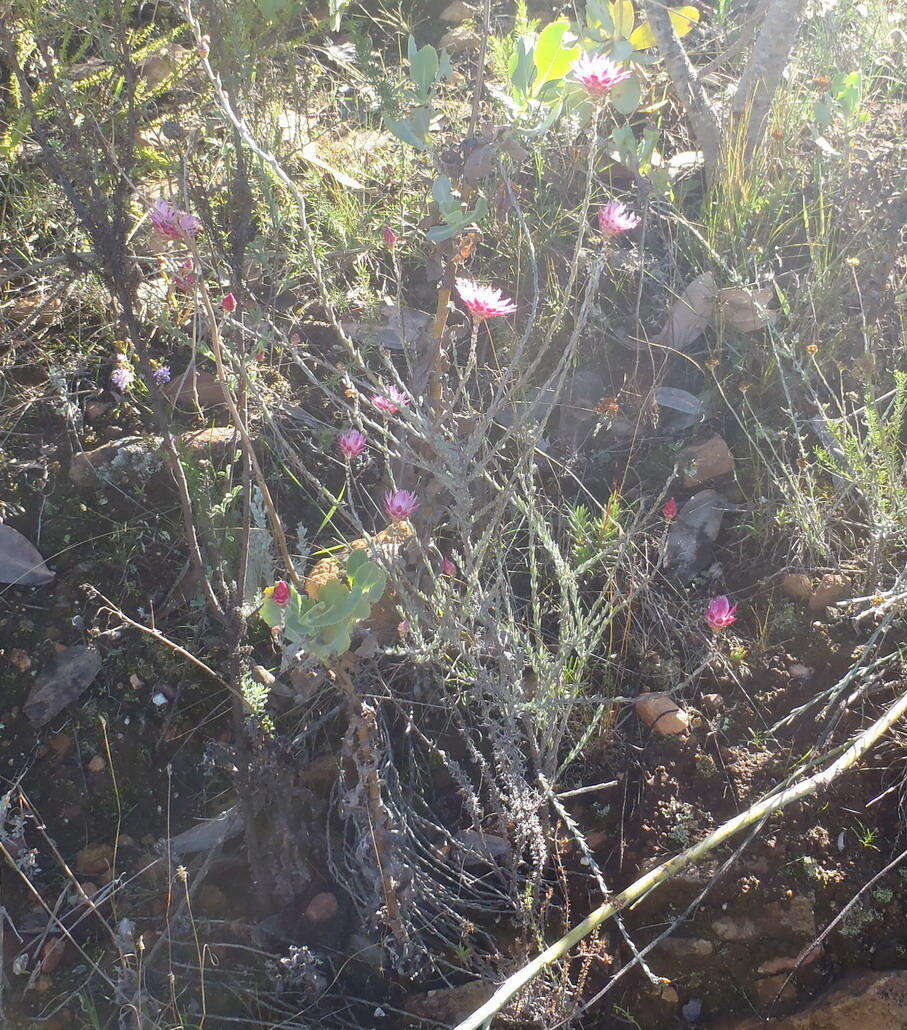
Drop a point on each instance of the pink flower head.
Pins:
(400, 504)
(172, 223)
(122, 378)
(720, 614)
(614, 218)
(351, 443)
(448, 567)
(599, 74)
(670, 510)
(187, 277)
(391, 401)
(280, 593)
(390, 237)
(483, 301)
(228, 304)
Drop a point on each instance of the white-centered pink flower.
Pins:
(400, 504)
(615, 218)
(352, 443)
(483, 301)
(720, 614)
(391, 401)
(599, 74)
(172, 223)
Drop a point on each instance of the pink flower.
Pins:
(391, 401)
(280, 593)
(400, 504)
(352, 443)
(599, 74)
(228, 304)
(390, 237)
(614, 218)
(172, 223)
(187, 277)
(720, 614)
(670, 510)
(448, 567)
(483, 301)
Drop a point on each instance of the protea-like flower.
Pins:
(448, 567)
(614, 218)
(390, 237)
(172, 223)
(391, 401)
(280, 593)
(161, 376)
(400, 504)
(483, 301)
(122, 378)
(599, 74)
(351, 443)
(228, 304)
(720, 614)
(670, 510)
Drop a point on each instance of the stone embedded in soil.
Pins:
(770, 988)
(184, 387)
(778, 918)
(322, 908)
(450, 1004)
(870, 1000)
(97, 764)
(685, 948)
(65, 678)
(784, 963)
(662, 715)
(832, 588)
(94, 859)
(215, 443)
(798, 586)
(707, 460)
(130, 459)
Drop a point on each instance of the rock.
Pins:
(691, 536)
(784, 964)
(684, 948)
(68, 675)
(130, 459)
(60, 743)
(872, 1000)
(184, 387)
(94, 859)
(322, 908)
(832, 588)
(794, 917)
(97, 764)
(215, 444)
(669, 995)
(458, 38)
(450, 1004)
(798, 586)
(775, 989)
(712, 702)
(662, 715)
(456, 12)
(52, 954)
(706, 461)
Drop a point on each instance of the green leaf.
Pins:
(626, 95)
(683, 19)
(423, 68)
(412, 130)
(625, 144)
(623, 17)
(522, 66)
(598, 16)
(551, 59)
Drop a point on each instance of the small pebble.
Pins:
(159, 699)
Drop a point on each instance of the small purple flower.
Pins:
(391, 401)
(400, 504)
(122, 378)
(161, 376)
(720, 614)
(614, 218)
(448, 567)
(352, 443)
(171, 223)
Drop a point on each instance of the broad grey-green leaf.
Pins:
(20, 562)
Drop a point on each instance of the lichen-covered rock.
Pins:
(128, 462)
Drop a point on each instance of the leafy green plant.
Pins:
(322, 628)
